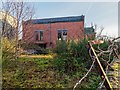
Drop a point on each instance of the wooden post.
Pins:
(101, 70)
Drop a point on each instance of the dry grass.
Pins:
(49, 56)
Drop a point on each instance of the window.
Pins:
(62, 34)
(39, 35)
(59, 34)
(36, 36)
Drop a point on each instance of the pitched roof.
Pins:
(89, 30)
(59, 19)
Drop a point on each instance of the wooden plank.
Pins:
(101, 70)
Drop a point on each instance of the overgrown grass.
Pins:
(62, 71)
(40, 73)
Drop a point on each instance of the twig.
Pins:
(79, 82)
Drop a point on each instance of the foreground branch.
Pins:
(84, 75)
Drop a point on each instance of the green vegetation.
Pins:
(40, 73)
(8, 49)
(64, 70)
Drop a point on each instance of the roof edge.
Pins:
(57, 19)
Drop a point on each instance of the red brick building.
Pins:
(45, 32)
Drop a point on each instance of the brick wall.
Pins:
(50, 32)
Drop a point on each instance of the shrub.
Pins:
(71, 55)
(79, 50)
(8, 49)
(66, 65)
(61, 47)
(34, 49)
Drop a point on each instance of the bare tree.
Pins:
(20, 11)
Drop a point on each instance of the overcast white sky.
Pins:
(101, 13)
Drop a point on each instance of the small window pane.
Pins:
(64, 32)
(59, 34)
(41, 35)
(36, 36)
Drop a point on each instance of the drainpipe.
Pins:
(50, 34)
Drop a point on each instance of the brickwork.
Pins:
(75, 30)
